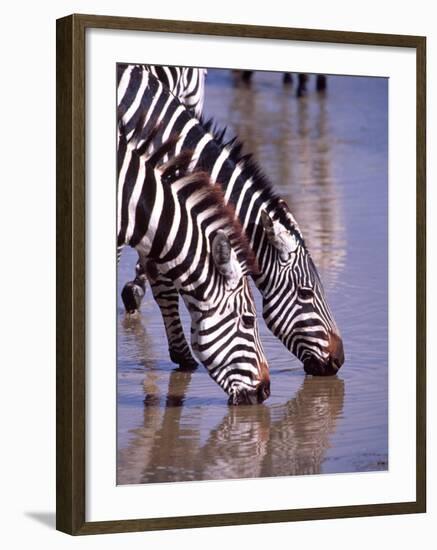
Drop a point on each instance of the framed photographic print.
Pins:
(240, 274)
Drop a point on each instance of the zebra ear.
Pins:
(279, 236)
(225, 259)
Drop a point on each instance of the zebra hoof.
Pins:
(185, 363)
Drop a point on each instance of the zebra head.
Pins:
(224, 333)
(294, 304)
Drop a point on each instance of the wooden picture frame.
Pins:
(71, 247)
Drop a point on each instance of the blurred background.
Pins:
(326, 153)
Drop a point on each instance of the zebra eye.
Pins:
(305, 294)
(248, 321)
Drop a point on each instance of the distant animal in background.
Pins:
(133, 292)
(302, 83)
(302, 79)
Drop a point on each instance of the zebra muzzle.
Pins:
(314, 366)
(250, 397)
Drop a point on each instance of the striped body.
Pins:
(294, 304)
(186, 83)
(185, 236)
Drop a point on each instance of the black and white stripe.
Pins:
(294, 303)
(186, 237)
(186, 83)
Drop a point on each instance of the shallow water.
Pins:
(327, 156)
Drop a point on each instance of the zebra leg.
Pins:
(287, 78)
(167, 298)
(321, 83)
(302, 85)
(247, 76)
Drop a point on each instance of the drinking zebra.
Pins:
(189, 240)
(294, 303)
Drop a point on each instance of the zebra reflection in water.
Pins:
(248, 442)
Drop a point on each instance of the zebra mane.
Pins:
(198, 183)
(195, 183)
(260, 182)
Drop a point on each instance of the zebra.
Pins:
(186, 237)
(186, 83)
(294, 304)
